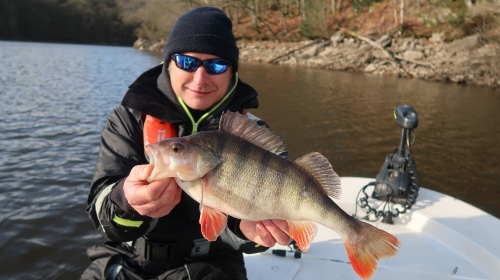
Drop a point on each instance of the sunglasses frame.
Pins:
(201, 63)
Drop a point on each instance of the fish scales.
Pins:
(225, 194)
(254, 182)
(254, 178)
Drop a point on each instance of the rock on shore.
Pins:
(467, 61)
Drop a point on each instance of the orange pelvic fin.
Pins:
(212, 222)
(303, 233)
(367, 246)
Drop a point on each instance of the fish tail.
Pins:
(367, 246)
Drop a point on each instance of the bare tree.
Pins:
(233, 9)
(396, 12)
(254, 11)
(298, 4)
(303, 8)
(402, 12)
(283, 9)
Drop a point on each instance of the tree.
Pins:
(314, 19)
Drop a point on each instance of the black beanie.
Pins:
(204, 30)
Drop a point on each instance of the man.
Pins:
(153, 229)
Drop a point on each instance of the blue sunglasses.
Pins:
(213, 66)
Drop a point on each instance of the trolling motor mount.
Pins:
(395, 177)
(397, 181)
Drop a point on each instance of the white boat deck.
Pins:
(441, 238)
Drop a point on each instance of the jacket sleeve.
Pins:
(120, 150)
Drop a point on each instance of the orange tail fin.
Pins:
(367, 246)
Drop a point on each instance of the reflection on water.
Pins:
(54, 100)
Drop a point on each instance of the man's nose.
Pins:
(201, 76)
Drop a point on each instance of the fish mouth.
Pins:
(162, 164)
(157, 161)
(151, 154)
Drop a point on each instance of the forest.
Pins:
(71, 21)
(121, 22)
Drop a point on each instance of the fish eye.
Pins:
(176, 147)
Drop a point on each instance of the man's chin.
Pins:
(200, 105)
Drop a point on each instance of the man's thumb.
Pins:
(141, 172)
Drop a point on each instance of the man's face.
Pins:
(199, 90)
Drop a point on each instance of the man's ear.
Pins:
(167, 66)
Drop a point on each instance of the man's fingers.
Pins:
(171, 193)
(167, 207)
(139, 191)
(264, 235)
(160, 212)
(155, 199)
(278, 231)
(283, 225)
(156, 189)
(167, 195)
(267, 232)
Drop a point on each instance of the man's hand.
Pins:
(154, 199)
(266, 233)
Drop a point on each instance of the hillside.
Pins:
(287, 20)
(444, 42)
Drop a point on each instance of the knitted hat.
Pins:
(204, 30)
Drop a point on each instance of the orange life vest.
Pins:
(156, 130)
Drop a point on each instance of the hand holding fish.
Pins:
(155, 199)
(267, 232)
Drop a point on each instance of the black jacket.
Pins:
(122, 148)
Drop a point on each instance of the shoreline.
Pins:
(469, 61)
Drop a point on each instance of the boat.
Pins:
(441, 237)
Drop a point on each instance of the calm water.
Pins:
(54, 100)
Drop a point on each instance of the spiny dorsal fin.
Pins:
(241, 126)
(321, 169)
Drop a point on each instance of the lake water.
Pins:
(55, 98)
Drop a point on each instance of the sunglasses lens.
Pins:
(186, 63)
(216, 66)
(191, 64)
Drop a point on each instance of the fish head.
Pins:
(187, 158)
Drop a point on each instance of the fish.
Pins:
(237, 170)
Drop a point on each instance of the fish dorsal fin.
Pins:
(243, 127)
(321, 169)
